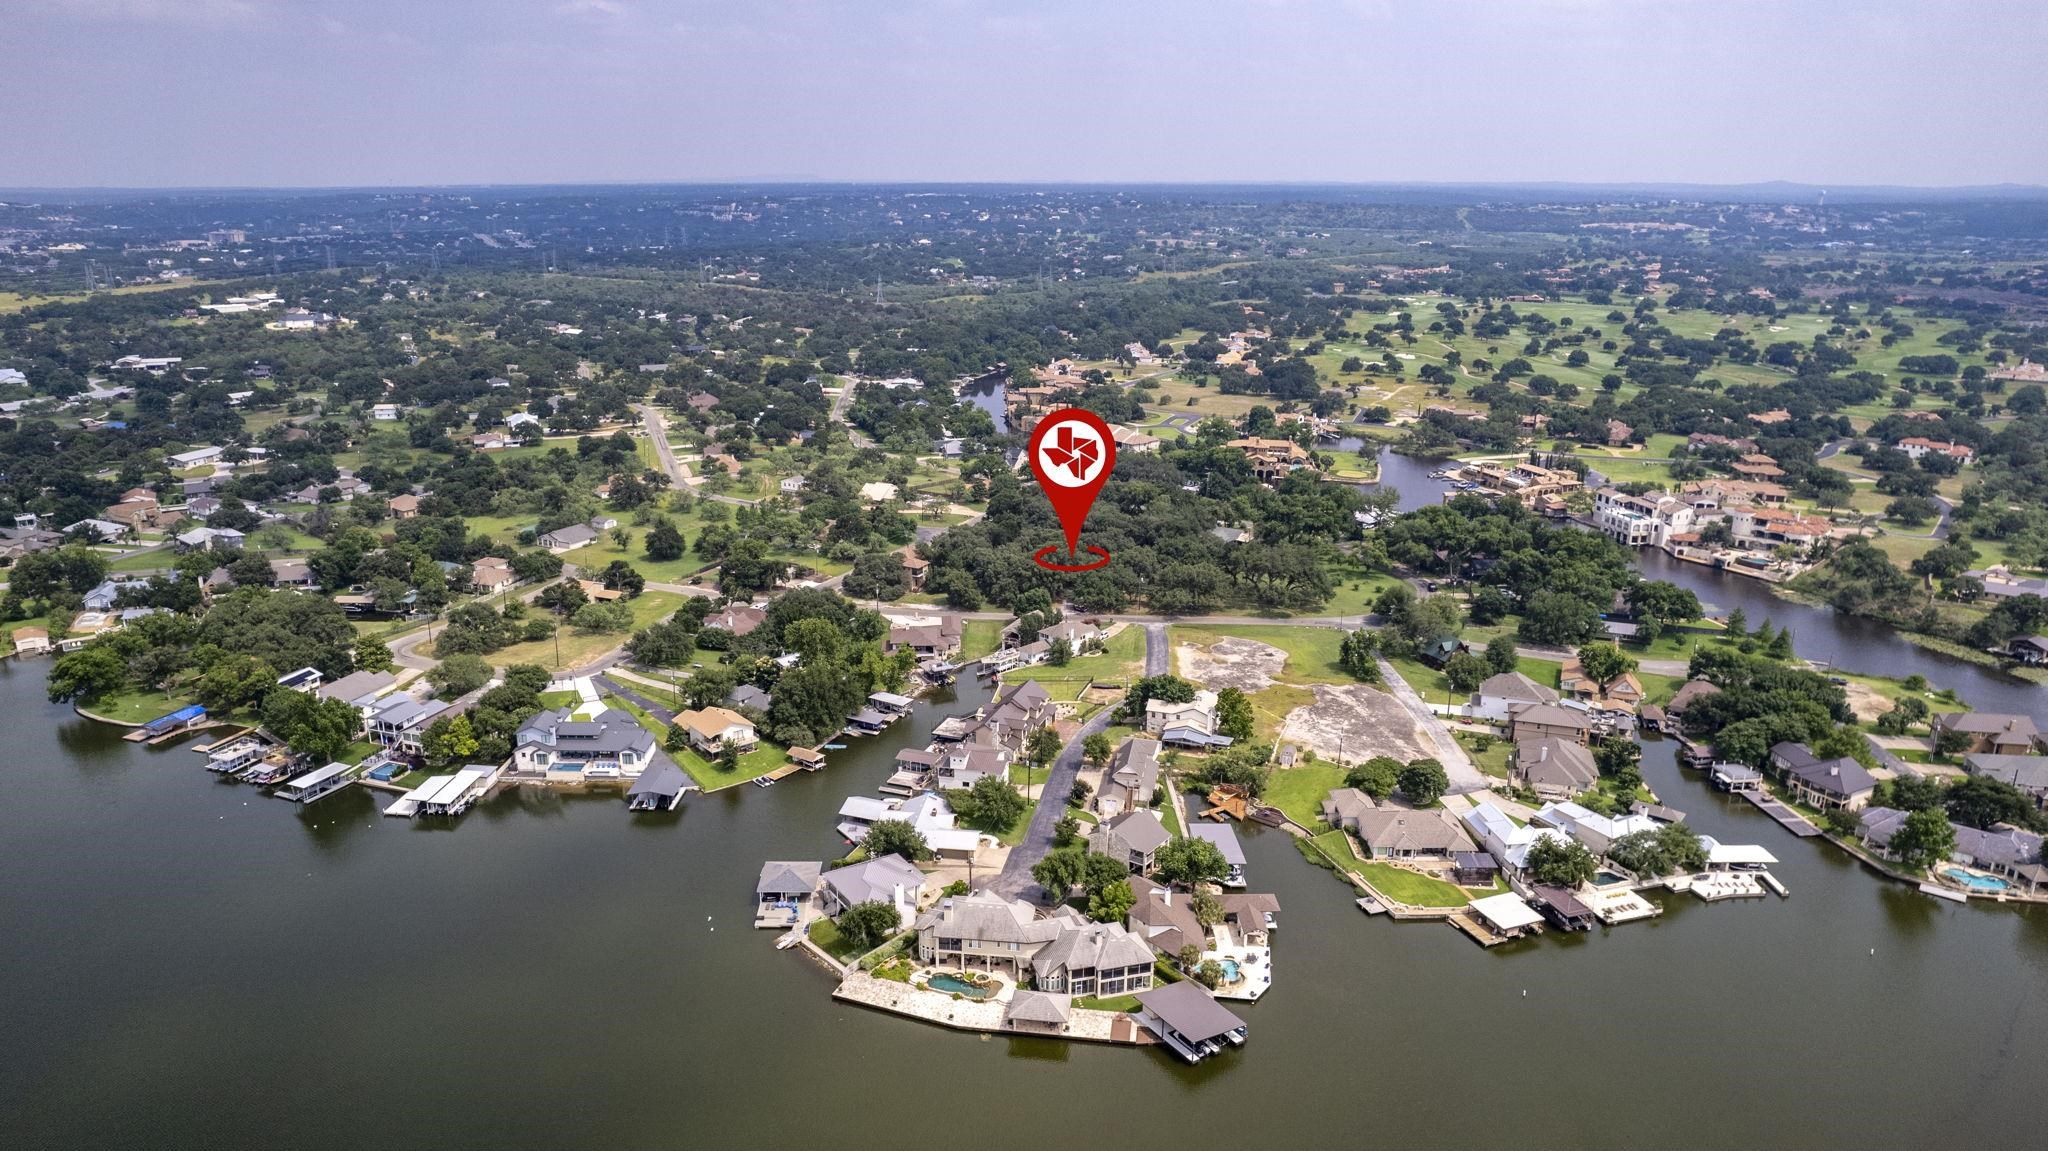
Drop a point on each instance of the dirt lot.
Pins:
(1353, 722)
(1867, 704)
(1244, 664)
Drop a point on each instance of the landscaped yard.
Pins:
(1401, 884)
(1122, 659)
(136, 706)
(763, 758)
(826, 934)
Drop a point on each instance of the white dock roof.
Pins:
(1506, 912)
(320, 776)
(1740, 853)
(425, 792)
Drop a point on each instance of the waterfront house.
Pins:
(2029, 773)
(925, 639)
(928, 813)
(1536, 720)
(1224, 836)
(1188, 1020)
(1690, 690)
(1991, 731)
(1624, 693)
(1345, 806)
(983, 931)
(711, 728)
(889, 879)
(962, 765)
(1400, 833)
(1101, 959)
(1598, 832)
(1133, 839)
(1131, 779)
(1553, 768)
(397, 722)
(609, 746)
(2007, 852)
(1499, 695)
(1825, 784)
(1998, 582)
(1504, 839)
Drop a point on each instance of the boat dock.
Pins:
(317, 784)
(1771, 881)
(169, 726)
(1787, 818)
(1371, 906)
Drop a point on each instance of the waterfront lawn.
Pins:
(762, 759)
(580, 647)
(1399, 883)
(136, 706)
(978, 637)
(1299, 790)
(826, 934)
(1113, 1003)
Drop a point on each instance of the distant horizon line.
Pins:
(807, 181)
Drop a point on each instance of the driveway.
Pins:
(1464, 774)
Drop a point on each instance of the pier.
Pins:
(1787, 818)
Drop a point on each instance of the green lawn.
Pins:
(826, 934)
(763, 758)
(136, 706)
(1400, 884)
(1113, 1003)
(1122, 659)
(1299, 790)
(978, 637)
(579, 647)
(1494, 760)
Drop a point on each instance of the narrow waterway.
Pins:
(1818, 633)
(191, 964)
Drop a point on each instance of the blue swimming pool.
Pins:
(1976, 882)
(1229, 970)
(958, 986)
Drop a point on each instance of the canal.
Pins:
(190, 964)
(1818, 633)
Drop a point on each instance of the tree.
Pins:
(728, 758)
(1100, 871)
(1234, 714)
(1059, 873)
(1043, 746)
(866, 925)
(1926, 837)
(449, 741)
(373, 654)
(620, 576)
(319, 729)
(1188, 957)
(1060, 652)
(1207, 908)
(1501, 656)
(664, 541)
(1356, 655)
(233, 681)
(1186, 861)
(1066, 831)
(991, 805)
(896, 837)
(1981, 800)
(86, 674)
(1097, 748)
(603, 617)
(1466, 671)
(1603, 663)
(1112, 903)
(1561, 862)
(1377, 777)
(878, 575)
(1424, 782)
(460, 674)
(1209, 974)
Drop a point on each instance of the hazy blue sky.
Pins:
(217, 92)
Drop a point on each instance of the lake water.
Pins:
(191, 964)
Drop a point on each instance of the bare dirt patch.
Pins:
(1245, 664)
(1865, 702)
(1354, 722)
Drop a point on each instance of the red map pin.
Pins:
(1072, 452)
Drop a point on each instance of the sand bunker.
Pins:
(1353, 722)
(1244, 664)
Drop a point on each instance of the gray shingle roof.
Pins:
(781, 877)
(1516, 686)
(1188, 1009)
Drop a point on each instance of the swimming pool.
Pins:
(1229, 970)
(958, 986)
(1606, 879)
(1976, 882)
